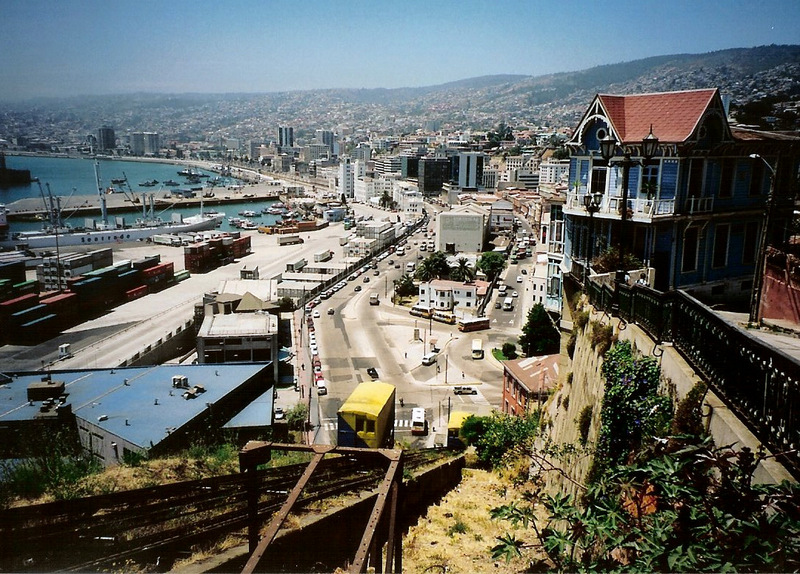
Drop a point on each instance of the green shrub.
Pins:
(565, 403)
(584, 422)
(688, 414)
(581, 319)
(509, 350)
(602, 337)
(573, 339)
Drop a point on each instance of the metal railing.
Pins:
(758, 382)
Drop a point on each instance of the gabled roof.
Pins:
(673, 115)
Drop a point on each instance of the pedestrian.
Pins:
(462, 374)
(406, 355)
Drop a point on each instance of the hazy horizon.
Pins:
(54, 48)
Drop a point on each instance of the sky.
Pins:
(81, 47)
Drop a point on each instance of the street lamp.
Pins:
(608, 147)
(591, 201)
(758, 275)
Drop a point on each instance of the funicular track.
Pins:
(156, 525)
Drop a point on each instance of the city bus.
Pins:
(477, 349)
(366, 419)
(477, 324)
(444, 317)
(418, 423)
(421, 311)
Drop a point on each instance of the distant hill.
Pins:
(762, 82)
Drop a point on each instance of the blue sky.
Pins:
(74, 47)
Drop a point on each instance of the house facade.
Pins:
(445, 295)
(527, 383)
(696, 211)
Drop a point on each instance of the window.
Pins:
(599, 179)
(721, 236)
(750, 242)
(650, 181)
(691, 244)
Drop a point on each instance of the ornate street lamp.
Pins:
(608, 148)
(591, 202)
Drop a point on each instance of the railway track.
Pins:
(156, 525)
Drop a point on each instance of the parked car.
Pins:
(498, 304)
(316, 315)
(519, 278)
(279, 414)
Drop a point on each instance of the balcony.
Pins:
(642, 209)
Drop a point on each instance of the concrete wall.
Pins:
(586, 388)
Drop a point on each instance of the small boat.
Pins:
(248, 213)
(118, 180)
(171, 183)
(149, 183)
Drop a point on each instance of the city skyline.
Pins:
(55, 48)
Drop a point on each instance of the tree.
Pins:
(499, 437)
(434, 266)
(404, 286)
(386, 200)
(539, 335)
(491, 263)
(462, 271)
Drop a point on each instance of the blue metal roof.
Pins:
(141, 396)
(256, 414)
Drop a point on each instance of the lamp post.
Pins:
(758, 275)
(608, 147)
(591, 201)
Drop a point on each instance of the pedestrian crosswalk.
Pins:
(398, 424)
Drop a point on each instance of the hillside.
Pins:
(768, 74)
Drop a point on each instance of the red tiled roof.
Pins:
(673, 115)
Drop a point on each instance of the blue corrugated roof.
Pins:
(148, 402)
(256, 414)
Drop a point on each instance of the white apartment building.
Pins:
(346, 181)
(408, 198)
(371, 189)
(553, 171)
(445, 295)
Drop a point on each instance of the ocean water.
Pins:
(72, 178)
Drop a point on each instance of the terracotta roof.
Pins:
(673, 115)
(535, 373)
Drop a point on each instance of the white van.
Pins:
(410, 266)
(429, 359)
(322, 387)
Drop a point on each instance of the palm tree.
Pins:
(426, 270)
(385, 200)
(462, 271)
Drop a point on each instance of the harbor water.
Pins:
(73, 179)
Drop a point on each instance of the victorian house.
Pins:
(696, 209)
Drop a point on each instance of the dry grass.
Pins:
(457, 534)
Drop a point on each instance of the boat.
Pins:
(149, 183)
(118, 180)
(57, 233)
(248, 213)
(171, 183)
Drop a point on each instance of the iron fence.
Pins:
(758, 382)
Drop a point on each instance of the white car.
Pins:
(316, 315)
(519, 278)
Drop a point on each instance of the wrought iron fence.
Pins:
(757, 381)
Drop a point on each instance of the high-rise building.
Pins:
(137, 143)
(106, 140)
(325, 137)
(152, 143)
(470, 170)
(346, 178)
(433, 172)
(285, 136)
